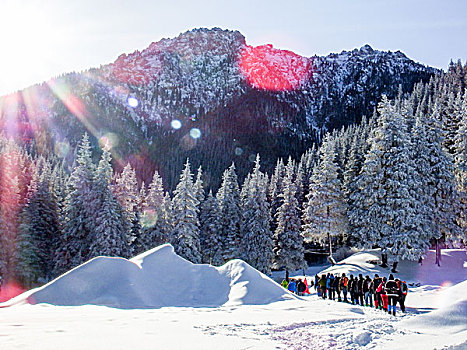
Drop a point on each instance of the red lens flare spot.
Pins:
(10, 290)
(267, 68)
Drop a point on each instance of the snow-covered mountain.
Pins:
(241, 100)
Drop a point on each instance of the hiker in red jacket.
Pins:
(376, 283)
(384, 296)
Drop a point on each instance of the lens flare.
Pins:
(238, 151)
(61, 149)
(176, 124)
(109, 141)
(195, 133)
(132, 102)
(267, 68)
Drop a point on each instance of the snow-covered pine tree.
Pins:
(153, 221)
(185, 213)
(325, 213)
(211, 245)
(288, 240)
(436, 169)
(125, 189)
(352, 169)
(198, 186)
(58, 187)
(307, 163)
(13, 185)
(228, 196)
(257, 236)
(460, 161)
(39, 230)
(110, 236)
(275, 188)
(168, 221)
(388, 202)
(78, 225)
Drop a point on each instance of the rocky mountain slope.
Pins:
(209, 96)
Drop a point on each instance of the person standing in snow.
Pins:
(368, 293)
(403, 289)
(360, 289)
(301, 287)
(384, 296)
(328, 281)
(355, 290)
(316, 281)
(351, 289)
(285, 284)
(331, 286)
(322, 286)
(292, 287)
(337, 288)
(343, 286)
(392, 292)
(377, 290)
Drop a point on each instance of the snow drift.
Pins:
(157, 278)
(450, 318)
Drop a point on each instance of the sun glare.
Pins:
(29, 39)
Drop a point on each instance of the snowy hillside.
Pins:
(247, 316)
(157, 278)
(242, 100)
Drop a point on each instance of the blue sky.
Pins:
(42, 39)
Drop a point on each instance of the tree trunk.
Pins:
(437, 253)
(287, 275)
(394, 267)
(384, 260)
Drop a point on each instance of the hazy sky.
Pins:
(44, 38)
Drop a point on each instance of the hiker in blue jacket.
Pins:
(292, 286)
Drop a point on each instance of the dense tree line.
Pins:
(396, 181)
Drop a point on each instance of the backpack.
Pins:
(404, 288)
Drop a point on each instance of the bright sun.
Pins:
(28, 39)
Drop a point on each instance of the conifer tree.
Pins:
(388, 208)
(211, 244)
(186, 224)
(198, 186)
(275, 188)
(288, 249)
(460, 160)
(110, 235)
(153, 221)
(78, 225)
(39, 230)
(126, 191)
(257, 235)
(229, 203)
(325, 212)
(12, 166)
(435, 168)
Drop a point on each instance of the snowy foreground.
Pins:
(160, 301)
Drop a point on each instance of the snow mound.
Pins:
(451, 318)
(158, 278)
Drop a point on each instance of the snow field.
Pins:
(253, 311)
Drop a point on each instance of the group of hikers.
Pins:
(381, 292)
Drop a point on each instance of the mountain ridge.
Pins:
(241, 99)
